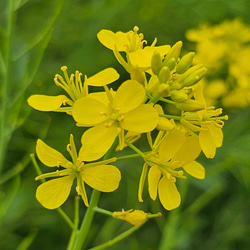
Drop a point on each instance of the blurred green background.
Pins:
(46, 35)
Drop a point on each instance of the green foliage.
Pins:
(37, 38)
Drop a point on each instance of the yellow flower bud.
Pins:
(163, 89)
(174, 52)
(138, 75)
(185, 63)
(178, 96)
(194, 77)
(164, 74)
(156, 62)
(190, 105)
(170, 63)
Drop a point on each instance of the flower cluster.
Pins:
(225, 50)
(159, 78)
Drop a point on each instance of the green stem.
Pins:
(84, 229)
(5, 82)
(103, 211)
(126, 157)
(118, 238)
(175, 117)
(167, 101)
(135, 149)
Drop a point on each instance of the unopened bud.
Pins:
(178, 96)
(190, 105)
(170, 63)
(165, 124)
(194, 77)
(185, 62)
(182, 77)
(174, 52)
(164, 74)
(138, 75)
(156, 62)
(163, 89)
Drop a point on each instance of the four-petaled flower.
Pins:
(53, 193)
(123, 111)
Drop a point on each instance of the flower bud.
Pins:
(185, 63)
(178, 96)
(170, 63)
(164, 74)
(194, 77)
(138, 75)
(174, 52)
(156, 62)
(182, 77)
(163, 89)
(190, 105)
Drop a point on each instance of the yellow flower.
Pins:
(169, 154)
(208, 123)
(74, 87)
(131, 43)
(134, 217)
(53, 193)
(124, 111)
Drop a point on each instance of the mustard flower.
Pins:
(133, 44)
(74, 87)
(53, 193)
(207, 122)
(170, 154)
(124, 111)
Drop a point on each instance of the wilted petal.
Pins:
(154, 176)
(104, 178)
(52, 194)
(47, 103)
(102, 78)
(168, 194)
(49, 156)
(195, 169)
(89, 112)
(141, 120)
(96, 142)
(129, 96)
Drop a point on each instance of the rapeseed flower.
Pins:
(74, 87)
(123, 111)
(170, 154)
(53, 193)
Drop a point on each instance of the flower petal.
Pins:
(129, 96)
(102, 78)
(96, 142)
(89, 112)
(171, 144)
(140, 120)
(47, 103)
(52, 194)
(49, 156)
(207, 143)
(168, 194)
(216, 134)
(110, 39)
(189, 151)
(195, 169)
(154, 176)
(104, 178)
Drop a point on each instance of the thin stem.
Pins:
(118, 238)
(103, 211)
(135, 148)
(126, 157)
(66, 217)
(175, 117)
(167, 101)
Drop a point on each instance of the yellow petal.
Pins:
(154, 176)
(96, 142)
(195, 169)
(142, 181)
(189, 151)
(171, 144)
(52, 194)
(47, 103)
(104, 178)
(207, 143)
(49, 156)
(102, 78)
(89, 112)
(168, 194)
(109, 39)
(216, 134)
(129, 96)
(140, 120)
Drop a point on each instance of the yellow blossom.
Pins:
(53, 193)
(74, 87)
(124, 111)
(169, 154)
